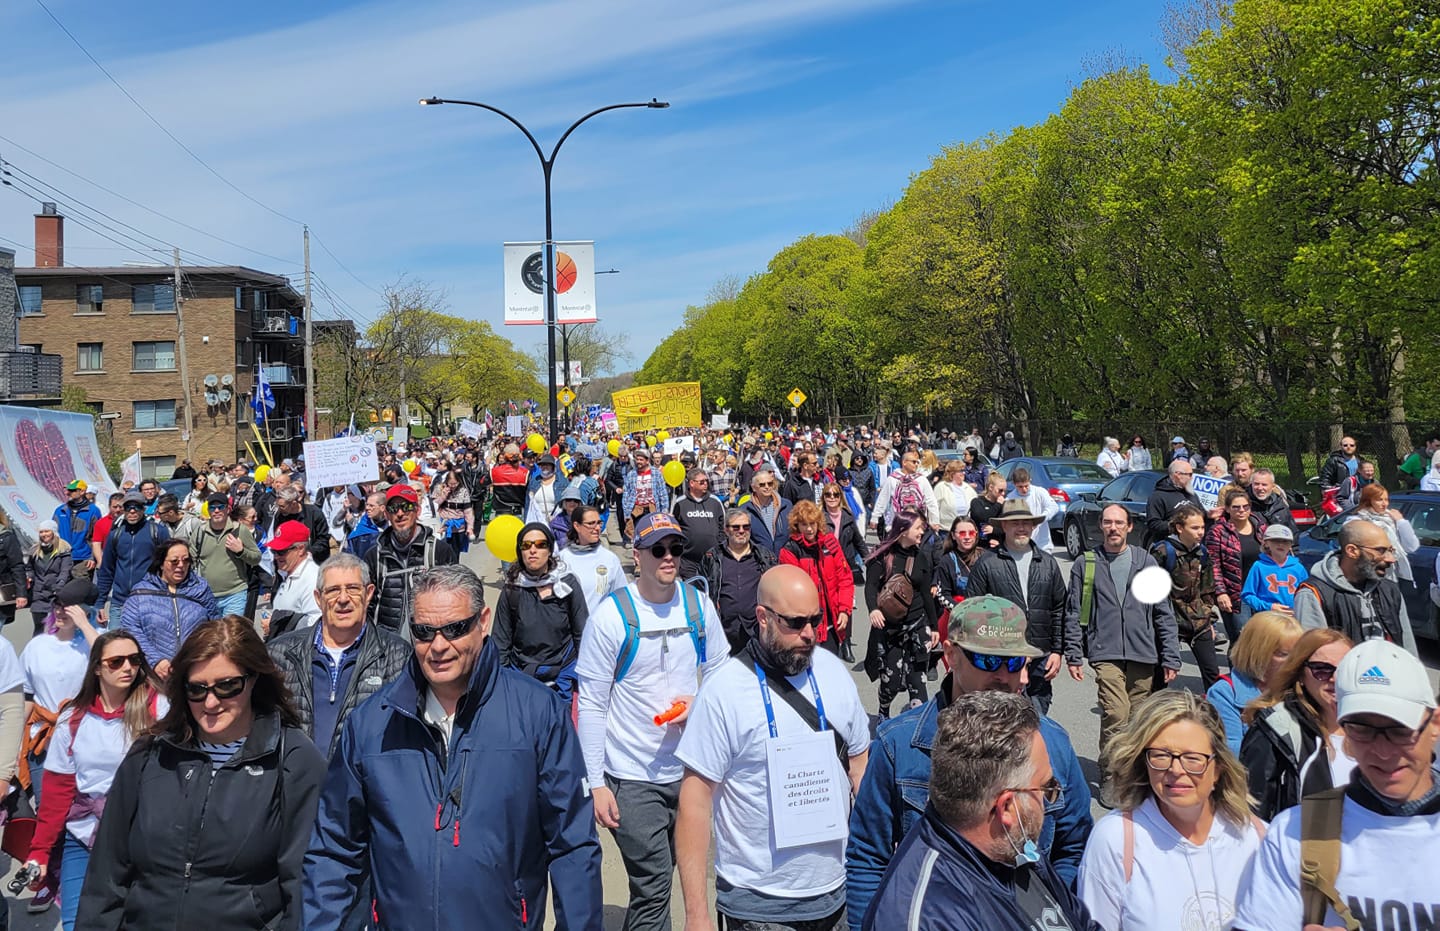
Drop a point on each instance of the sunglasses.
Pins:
(831, 494)
(796, 622)
(221, 689)
(661, 550)
(988, 662)
(739, 528)
(131, 659)
(402, 507)
(1323, 672)
(424, 633)
(528, 545)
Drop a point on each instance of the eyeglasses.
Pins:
(1193, 763)
(527, 545)
(796, 622)
(424, 633)
(661, 550)
(1398, 734)
(738, 528)
(764, 484)
(130, 659)
(222, 689)
(989, 662)
(967, 533)
(1382, 550)
(587, 523)
(335, 591)
(1323, 672)
(1052, 792)
(402, 507)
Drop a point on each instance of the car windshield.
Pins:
(1076, 472)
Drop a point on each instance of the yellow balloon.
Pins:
(536, 444)
(674, 473)
(262, 472)
(662, 436)
(409, 465)
(501, 535)
(768, 435)
(649, 441)
(614, 447)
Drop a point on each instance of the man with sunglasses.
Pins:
(781, 693)
(129, 551)
(703, 517)
(403, 550)
(769, 513)
(1353, 591)
(458, 789)
(645, 650)
(987, 650)
(1385, 822)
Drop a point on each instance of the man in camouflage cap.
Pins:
(986, 650)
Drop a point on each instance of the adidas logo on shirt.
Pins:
(1374, 676)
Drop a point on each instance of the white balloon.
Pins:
(1151, 585)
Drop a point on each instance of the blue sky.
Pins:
(787, 117)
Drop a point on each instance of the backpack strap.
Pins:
(625, 604)
(1170, 557)
(1320, 818)
(1087, 588)
(695, 620)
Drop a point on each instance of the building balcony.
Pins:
(276, 324)
(29, 375)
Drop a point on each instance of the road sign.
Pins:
(796, 397)
(720, 402)
(566, 396)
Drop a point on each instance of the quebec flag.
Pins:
(264, 399)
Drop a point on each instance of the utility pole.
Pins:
(309, 348)
(184, 364)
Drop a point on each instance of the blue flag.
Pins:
(264, 399)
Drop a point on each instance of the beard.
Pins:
(789, 660)
(1371, 570)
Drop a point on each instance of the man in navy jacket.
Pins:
(459, 789)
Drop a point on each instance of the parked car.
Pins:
(945, 455)
(1422, 509)
(1130, 490)
(1064, 478)
(179, 487)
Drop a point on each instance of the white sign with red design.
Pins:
(42, 451)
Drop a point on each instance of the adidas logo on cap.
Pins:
(1373, 676)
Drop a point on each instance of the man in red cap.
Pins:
(402, 551)
(293, 605)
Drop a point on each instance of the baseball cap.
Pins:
(77, 485)
(1378, 677)
(77, 592)
(547, 459)
(133, 497)
(218, 501)
(990, 624)
(1279, 532)
(288, 534)
(403, 492)
(1176, 439)
(652, 528)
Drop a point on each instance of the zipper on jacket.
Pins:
(199, 830)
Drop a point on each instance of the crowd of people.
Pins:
(269, 704)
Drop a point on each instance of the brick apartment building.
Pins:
(118, 335)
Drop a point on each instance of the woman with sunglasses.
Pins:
(815, 549)
(1233, 543)
(541, 613)
(1137, 457)
(167, 605)
(207, 821)
(901, 638)
(194, 502)
(958, 555)
(845, 524)
(1293, 744)
(115, 705)
(975, 469)
(1172, 855)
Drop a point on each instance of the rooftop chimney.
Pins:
(49, 237)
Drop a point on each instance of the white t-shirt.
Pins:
(724, 741)
(1341, 764)
(296, 593)
(54, 671)
(1174, 885)
(617, 721)
(599, 573)
(99, 746)
(1387, 872)
(12, 676)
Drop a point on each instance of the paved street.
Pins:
(1074, 708)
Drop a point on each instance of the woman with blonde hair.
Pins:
(1294, 727)
(1258, 655)
(952, 494)
(1172, 854)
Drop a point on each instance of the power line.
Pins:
(75, 206)
(343, 266)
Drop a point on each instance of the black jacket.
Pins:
(1162, 503)
(798, 488)
(736, 609)
(1274, 510)
(539, 637)
(48, 574)
(393, 568)
(184, 845)
(381, 657)
(1044, 609)
(852, 542)
(1274, 750)
(1335, 470)
(922, 575)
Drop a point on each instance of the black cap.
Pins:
(77, 592)
(218, 501)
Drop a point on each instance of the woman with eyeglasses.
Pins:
(167, 605)
(207, 819)
(1233, 543)
(1172, 855)
(541, 613)
(1375, 507)
(903, 622)
(1293, 743)
(818, 552)
(1255, 659)
(116, 703)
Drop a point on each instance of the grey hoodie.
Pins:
(1307, 606)
(1121, 629)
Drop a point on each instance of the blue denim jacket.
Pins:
(896, 788)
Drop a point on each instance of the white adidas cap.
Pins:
(1378, 677)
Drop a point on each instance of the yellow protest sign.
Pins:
(673, 404)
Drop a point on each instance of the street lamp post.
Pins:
(546, 166)
(565, 329)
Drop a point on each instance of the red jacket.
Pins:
(830, 573)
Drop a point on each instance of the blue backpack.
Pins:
(694, 619)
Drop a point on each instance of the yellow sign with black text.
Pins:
(673, 404)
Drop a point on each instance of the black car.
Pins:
(1082, 519)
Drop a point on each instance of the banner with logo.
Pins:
(347, 460)
(42, 451)
(525, 283)
(673, 404)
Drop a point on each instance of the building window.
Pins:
(30, 300)
(153, 299)
(239, 298)
(89, 358)
(160, 468)
(154, 357)
(89, 299)
(31, 347)
(154, 415)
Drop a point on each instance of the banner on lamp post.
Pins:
(525, 283)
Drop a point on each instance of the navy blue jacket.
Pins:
(896, 789)
(126, 558)
(760, 534)
(942, 883)
(459, 839)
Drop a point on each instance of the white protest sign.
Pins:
(719, 421)
(470, 428)
(1207, 489)
(514, 425)
(675, 445)
(400, 435)
(806, 803)
(348, 460)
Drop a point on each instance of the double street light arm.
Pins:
(651, 104)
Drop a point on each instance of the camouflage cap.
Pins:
(990, 624)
